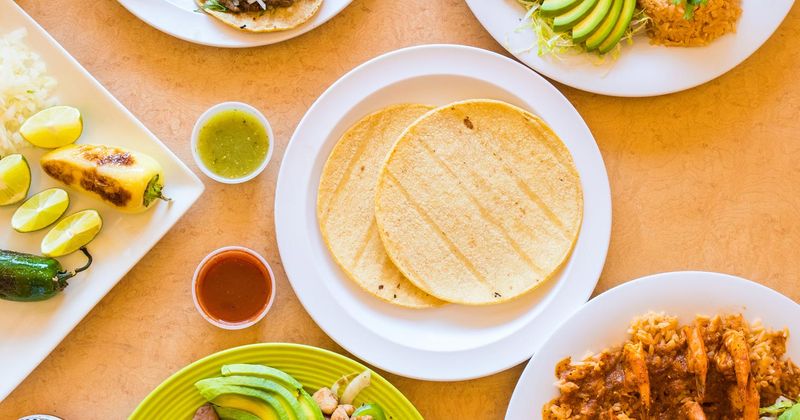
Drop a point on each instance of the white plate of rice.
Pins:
(604, 321)
(642, 69)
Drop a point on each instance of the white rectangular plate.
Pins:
(30, 331)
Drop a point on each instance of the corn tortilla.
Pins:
(271, 20)
(345, 205)
(478, 202)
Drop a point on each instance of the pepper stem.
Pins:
(154, 191)
(63, 276)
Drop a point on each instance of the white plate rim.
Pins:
(362, 342)
(6, 387)
(521, 404)
(481, 10)
(166, 17)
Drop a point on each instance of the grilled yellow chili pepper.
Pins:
(128, 180)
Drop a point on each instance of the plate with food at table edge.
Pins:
(724, 347)
(268, 380)
(122, 226)
(407, 317)
(662, 46)
(232, 23)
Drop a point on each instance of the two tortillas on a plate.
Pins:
(475, 202)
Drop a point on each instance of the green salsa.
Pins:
(232, 143)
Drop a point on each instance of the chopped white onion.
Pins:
(25, 88)
(355, 387)
(338, 387)
(260, 3)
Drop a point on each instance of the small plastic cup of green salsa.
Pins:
(232, 142)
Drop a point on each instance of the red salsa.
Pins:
(233, 287)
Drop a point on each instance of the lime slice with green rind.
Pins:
(40, 211)
(71, 233)
(15, 179)
(53, 127)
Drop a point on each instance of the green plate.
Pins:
(177, 398)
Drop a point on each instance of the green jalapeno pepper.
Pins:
(29, 278)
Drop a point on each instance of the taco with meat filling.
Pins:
(261, 15)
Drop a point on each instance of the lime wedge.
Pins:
(15, 179)
(72, 233)
(40, 211)
(53, 127)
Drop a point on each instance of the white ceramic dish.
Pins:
(642, 69)
(241, 325)
(452, 342)
(603, 322)
(32, 330)
(225, 106)
(180, 19)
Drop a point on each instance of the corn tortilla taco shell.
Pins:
(271, 20)
(479, 202)
(346, 205)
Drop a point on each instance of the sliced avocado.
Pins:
(557, 7)
(266, 372)
(605, 28)
(622, 25)
(253, 401)
(587, 26)
(310, 408)
(567, 20)
(230, 413)
(289, 400)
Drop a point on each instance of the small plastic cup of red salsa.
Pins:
(233, 287)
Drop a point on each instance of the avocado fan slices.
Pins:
(595, 24)
(253, 392)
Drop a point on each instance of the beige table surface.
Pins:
(706, 179)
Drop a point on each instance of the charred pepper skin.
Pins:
(31, 278)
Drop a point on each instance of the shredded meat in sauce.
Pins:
(714, 369)
(241, 6)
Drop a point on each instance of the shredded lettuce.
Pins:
(783, 409)
(214, 5)
(781, 405)
(791, 414)
(548, 41)
(638, 25)
(557, 44)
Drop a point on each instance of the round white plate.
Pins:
(604, 321)
(181, 19)
(452, 342)
(642, 69)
